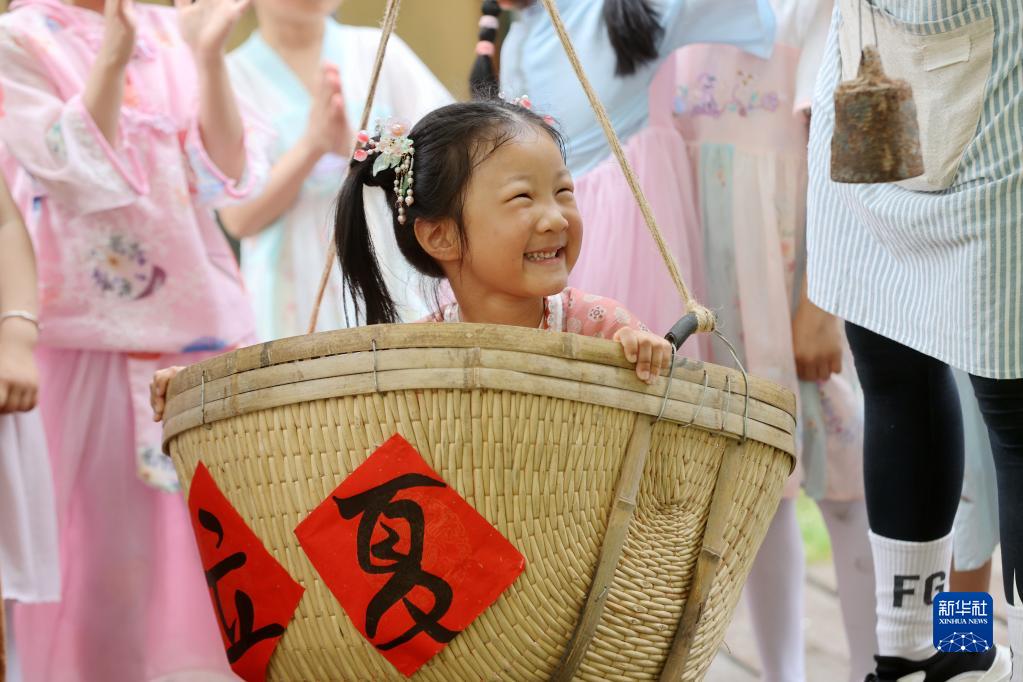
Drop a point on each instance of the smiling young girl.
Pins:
(481, 197)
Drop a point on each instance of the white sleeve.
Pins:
(419, 91)
(817, 22)
(746, 24)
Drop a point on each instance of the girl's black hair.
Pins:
(633, 28)
(449, 143)
(635, 33)
(483, 77)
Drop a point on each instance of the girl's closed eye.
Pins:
(517, 191)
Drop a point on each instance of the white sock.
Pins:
(854, 569)
(908, 575)
(774, 593)
(1016, 634)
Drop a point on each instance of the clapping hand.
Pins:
(119, 30)
(328, 131)
(207, 24)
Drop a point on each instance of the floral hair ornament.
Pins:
(394, 149)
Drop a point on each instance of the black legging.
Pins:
(913, 445)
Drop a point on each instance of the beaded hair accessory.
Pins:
(396, 150)
(489, 24)
(524, 102)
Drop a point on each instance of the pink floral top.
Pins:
(130, 255)
(571, 311)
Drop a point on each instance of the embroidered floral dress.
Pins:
(744, 122)
(134, 274)
(572, 311)
(618, 255)
(130, 255)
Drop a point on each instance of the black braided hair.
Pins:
(634, 31)
(483, 77)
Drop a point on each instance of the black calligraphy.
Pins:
(406, 568)
(241, 634)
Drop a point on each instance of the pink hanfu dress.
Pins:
(134, 274)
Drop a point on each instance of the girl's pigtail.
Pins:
(363, 279)
(635, 33)
(483, 77)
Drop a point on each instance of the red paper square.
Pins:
(406, 557)
(253, 596)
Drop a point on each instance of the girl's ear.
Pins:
(439, 238)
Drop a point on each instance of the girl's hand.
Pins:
(19, 378)
(158, 390)
(817, 342)
(650, 352)
(207, 24)
(328, 131)
(119, 30)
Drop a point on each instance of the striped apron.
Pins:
(935, 264)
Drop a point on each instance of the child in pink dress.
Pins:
(28, 526)
(125, 135)
(744, 120)
(487, 206)
(622, 44)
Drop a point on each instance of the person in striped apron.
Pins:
(928, 274)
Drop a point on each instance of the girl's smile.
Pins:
(521, 227)
(547, 257)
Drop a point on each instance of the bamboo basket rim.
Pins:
(458, 335)
(470, 356)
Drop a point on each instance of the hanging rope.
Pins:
(704, 317)
(386, 29)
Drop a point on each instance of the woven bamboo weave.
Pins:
(531, 428)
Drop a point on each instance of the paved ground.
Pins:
(826, 653)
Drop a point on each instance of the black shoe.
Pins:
(994, 665)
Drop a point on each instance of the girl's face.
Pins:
(296, 10)
(521, 222)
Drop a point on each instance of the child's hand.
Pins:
(19, 379)
(158, 390)
(207, 24)
(650, 352)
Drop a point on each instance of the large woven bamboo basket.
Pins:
(536, 430)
